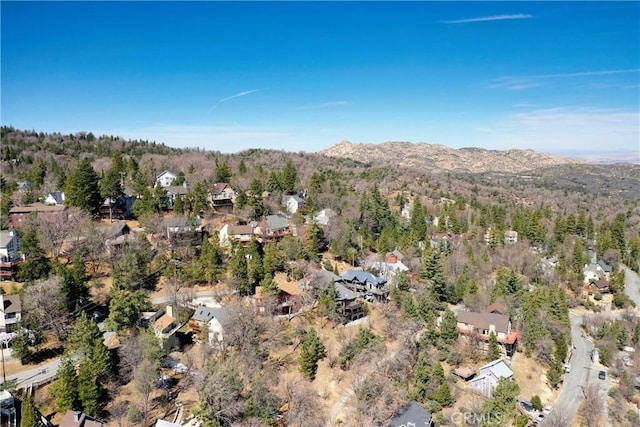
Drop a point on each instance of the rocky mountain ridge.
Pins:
(441, 158)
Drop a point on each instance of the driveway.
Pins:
(571, 394)
(632, 285)
(36, 376)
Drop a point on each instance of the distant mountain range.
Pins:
(441, 158)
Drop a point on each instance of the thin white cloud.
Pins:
(329, 104)
(237, 95)
(569, 128)
(526, 82)
(491, 18)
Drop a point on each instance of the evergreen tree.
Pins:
(448, 327)
(88, 390)
(443, 395)
(328, 304)
(111, 186)
(312, 351)
(64, 390)
(289, 177)
(124, 309)
(210, 260)
(239, 271)
(313, 243)
(501, 408)
(223, 172)
(421, 379)
(82, 189)
(178, 205)
(494, 347)
(29, 415)
(74, 281)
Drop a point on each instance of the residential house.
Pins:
(497, 307)
(80, 419)
(174, 191)
(166, 178)
(184, 231)
(510, 237)
(164, 326)
(163, 423)
(411, 415)
(606, 268)
(294, 203)
(55, 198)
(287, 301)
(222, 197)
(602, 285)
(211, 319)
(489, 376)
(481, 325)
(405, 212)
(237, 233)
(391, 265)
(348, 308)
(325, 217)
(366, 284)
(118, 235)
(592, 273)
(10, 312)
(9, 253)
(18, 215)
(272, 227)
(117, 208)
(7, 408)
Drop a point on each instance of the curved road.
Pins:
(571, 394)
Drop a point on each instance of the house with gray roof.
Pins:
(272, 227)
(211, 319)
(294, 203)
(366, 284)
(411, 415)
(489, 376)
(54, 198)
(482, 325)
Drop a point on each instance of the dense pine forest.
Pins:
(295, 348)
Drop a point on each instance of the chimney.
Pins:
(169, 310)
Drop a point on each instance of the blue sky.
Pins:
(558, 77)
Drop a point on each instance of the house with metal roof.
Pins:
(489, 376)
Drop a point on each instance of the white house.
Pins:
(325, 217)
(55, 198)
(238, 233)
(10, 312)
(9, 245)
(211, 318)
(166, 178)
(489, 376)
(294, 203)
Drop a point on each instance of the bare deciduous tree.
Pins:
(304, 405)
(146, 376)
(45, 304)
(591, 408)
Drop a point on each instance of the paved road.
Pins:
(632, 285)
(571, 394)
(39, 375)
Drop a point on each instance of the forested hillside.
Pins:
(320, 325)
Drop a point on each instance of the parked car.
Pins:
(567, 367)
(602, 375)
(526, 405)
(547, 409)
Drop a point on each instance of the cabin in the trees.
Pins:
(286, 301)
(55, 198)
(272, 227)
(18, 215)
(366, 284)
(236, 233)
(80, 419)
(172, 192)
(221, 197)
(489, 376)
(10, 312)
(166, 177)
(209, 322)
(294, 203)
(325, 217)
(481, 325)
(9, 253)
